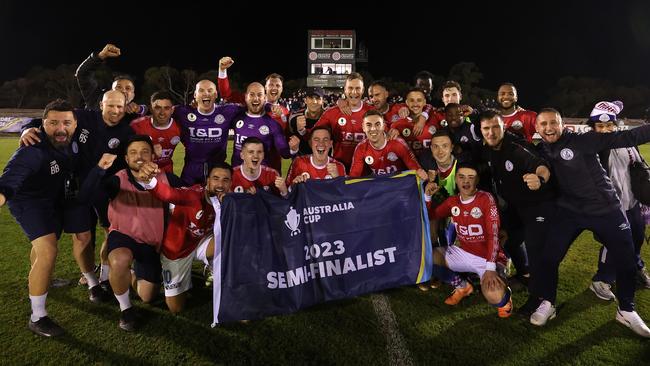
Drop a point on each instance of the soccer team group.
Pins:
(111, 163)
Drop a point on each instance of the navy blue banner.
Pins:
(330, 239)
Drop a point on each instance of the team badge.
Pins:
(464, 139)
(509, 165)
(342, 121)
(406, 132)
(191, 117)
(239, 124)
(566, 154)
(455, 211)
(199, 215)
(239, 189)
(392, 156)
(75, 147)
(476, 212)
(369, 160)
(175, 140)
(432, 129)
(113, 143)
(264, 130)
(394, 118)
(219, 119)
(517, 125)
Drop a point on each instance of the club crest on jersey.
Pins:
(175, 140)
(432, 129)
(239, 189)
(406, 132)
(239, 124)
(342, 121)
(509, 165)
(517, 125)
(191, 117)
(75, 147)
(566, 154)
(199, 215)
(369, 160)
(394, 118)
(476, 212)
(455, 211)
(264, 130)
(392, 156)
(113, 143)
(219, 119)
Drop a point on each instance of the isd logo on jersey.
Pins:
(369, 160)
(293, 221)
(406, 132)
(517, 125)
(455, 211)
(264, 130)
(566, 154)
(342, 121)
(476, 212)
(219, 119)
(54, 167)
(239, 124)
(509, 165)
(191, 117)
(113, 143)
(392, 156)
(175, 140)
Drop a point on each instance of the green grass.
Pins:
(342, 332)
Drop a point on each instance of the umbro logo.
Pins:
(624, 226)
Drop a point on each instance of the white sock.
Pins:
(103, 273)
(91, 279)
(124, 300)
(38, 306)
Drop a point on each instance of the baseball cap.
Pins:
(315, 91)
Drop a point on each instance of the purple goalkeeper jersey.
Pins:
(263, 127)
(205, 136)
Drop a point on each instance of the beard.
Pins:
(59, 144)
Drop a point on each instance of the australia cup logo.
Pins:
(292, 221)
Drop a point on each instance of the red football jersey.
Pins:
(394, 156)
(305, 165)
(522, 122)
(477, 223)
(167, 137)
(420, 143)
(392, 115)
(191, 219)
(347, 131)
(264, 180)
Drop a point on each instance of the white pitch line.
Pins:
(398, 354)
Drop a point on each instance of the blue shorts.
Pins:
(36, 219)
(147, 261)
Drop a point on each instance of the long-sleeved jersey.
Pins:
(393, 157)
(263, 127)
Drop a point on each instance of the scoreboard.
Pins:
(330, 57)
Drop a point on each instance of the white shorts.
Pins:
(177, 273)
(459, 260)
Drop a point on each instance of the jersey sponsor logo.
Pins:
(54, 167)
(455, 211)
(509, 165)
(470, 230)
(264, 130)
(432, 129)
(83, 137)
(75, 147)
(219, 119)
(624, 226)
(199, 215)
(517, 124)
(566, 154)
(113, 143)
(369, 160)
(476, 212)
(206, 132)
(354, 136)
(175, 140)
(239, 124)
(239, 189)
(293, 221)
(464, 139)
(406, 132)
(392, 156)
(342, 121)
(191, 117)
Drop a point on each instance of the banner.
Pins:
(330, 239)
(13, 124)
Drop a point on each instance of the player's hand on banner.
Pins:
(422, 174)
(332, 170)
(403, 112)
(532, 181)
(431, 188)
(251, 190)
(300, 178)
(30, 137)
(344, 106)
(432, 174)
(106, 161)
(281, 185)
(418, 127)
(110, 50)
(225, 62)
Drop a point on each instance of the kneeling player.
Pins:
(477, 226)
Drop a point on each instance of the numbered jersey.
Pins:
(347, 131)
(477, 223)
(264, 180)
(304, 165)
(393, 157)
(167, 137)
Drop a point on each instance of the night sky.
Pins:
(530, 47)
